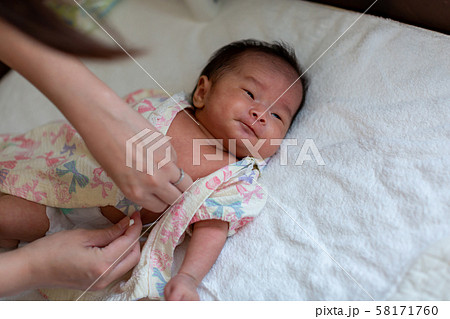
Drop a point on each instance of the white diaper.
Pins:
(72, 218)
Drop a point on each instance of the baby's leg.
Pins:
(114, 215)
(21, 220)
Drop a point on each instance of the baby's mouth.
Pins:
(248, 128)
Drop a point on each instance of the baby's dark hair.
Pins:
(225, 59)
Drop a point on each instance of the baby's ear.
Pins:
(203, 87)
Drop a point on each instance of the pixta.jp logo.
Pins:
(149, 141)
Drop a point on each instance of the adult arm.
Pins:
(101, 117)
(72, 259)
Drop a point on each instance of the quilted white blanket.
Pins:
(378, 111)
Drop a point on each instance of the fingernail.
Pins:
(131, 222)
(124, 222)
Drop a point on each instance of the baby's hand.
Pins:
(181, 287)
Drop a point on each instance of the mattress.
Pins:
(370, 223)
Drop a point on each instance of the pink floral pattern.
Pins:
(173, 231)
(213, 183)
(161, 260)
(8, 164)
(97, 181)
(51, 161)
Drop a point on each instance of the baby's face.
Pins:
(236, 106)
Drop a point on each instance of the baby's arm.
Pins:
(208, 238)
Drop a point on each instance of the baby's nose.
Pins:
(258, 115)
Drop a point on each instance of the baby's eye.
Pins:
(276, 115)
(250, 94)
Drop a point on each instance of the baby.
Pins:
(241, 100)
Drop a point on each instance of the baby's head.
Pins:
(246, 93)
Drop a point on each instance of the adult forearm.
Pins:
(14, 273)
(66, 82)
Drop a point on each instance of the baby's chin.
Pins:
(258, 154)
(241, 148)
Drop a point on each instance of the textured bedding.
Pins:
(429, 277)
(367, 224)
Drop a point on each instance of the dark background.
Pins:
(428, 14)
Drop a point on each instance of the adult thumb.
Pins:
(103, 237)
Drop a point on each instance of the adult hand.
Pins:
(102, 118)
(72, 259)
(154, 192)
